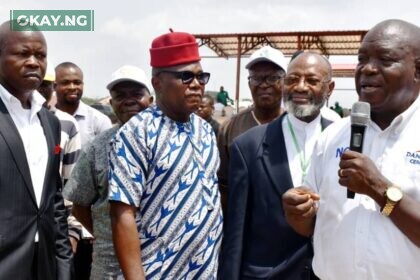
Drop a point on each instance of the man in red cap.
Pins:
(162, 181)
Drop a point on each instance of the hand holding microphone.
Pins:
(359, 118)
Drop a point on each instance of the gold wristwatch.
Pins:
(393, 195)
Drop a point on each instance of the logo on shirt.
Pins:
(340, 151)
(413, 157)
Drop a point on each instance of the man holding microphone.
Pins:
(376, 235)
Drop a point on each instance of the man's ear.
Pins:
(156, 84)
(331, 86)
(417, 66)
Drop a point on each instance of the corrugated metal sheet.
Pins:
(325, 42)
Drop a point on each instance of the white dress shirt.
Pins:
(352, 239)
(306, 136)
(32, 135)
(329, 114)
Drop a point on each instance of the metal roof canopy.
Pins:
(243, 44)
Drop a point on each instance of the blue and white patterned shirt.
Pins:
(168, 170)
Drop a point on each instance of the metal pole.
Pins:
(238, 72)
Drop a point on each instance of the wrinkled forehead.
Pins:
(69, 71)
(195, 67)
(308, 64)
(21, 38)
(391, 36)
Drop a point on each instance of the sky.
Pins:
(125, 29)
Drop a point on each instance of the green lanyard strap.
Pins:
(304, 164)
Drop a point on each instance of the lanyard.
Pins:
(255, 118)
(304, 164)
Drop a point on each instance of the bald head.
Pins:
(5, 32)
(397, 30)
(312, 58)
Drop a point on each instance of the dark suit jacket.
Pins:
(258, 243)
(20, 217)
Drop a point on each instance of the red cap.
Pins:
(173, 49)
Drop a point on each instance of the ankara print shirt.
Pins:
(168, 170)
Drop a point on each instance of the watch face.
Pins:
(394, 194)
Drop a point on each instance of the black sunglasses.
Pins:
(188, 76)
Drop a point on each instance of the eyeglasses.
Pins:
(187, 76)
(313, 82)
(269, 80)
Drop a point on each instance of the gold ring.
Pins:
(340, 172)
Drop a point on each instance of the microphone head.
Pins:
(360, 113)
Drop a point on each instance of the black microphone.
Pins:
(359, 118)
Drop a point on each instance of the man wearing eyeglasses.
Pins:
(266, 67)
(375, 235)
(266, 161)
(163, 166)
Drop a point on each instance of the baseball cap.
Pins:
(269, 54)
(128, 73)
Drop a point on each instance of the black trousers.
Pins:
(35, 263)
(83, 259)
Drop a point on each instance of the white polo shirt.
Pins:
(352, 239)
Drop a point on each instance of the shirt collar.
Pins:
(181, 126)
(82, 110)
(7, 97)
(37, 102)
(35, 98)
(304, 126)
(399, 122)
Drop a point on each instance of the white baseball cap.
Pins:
(128, 73)
(269, 54)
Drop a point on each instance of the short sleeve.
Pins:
(127, 167)
(80, 188)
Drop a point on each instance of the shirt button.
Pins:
(210, 207)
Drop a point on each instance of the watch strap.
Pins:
(389, 206)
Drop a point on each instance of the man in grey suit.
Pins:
(265, 162)
(33, 225)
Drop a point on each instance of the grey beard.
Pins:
(302, 111)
